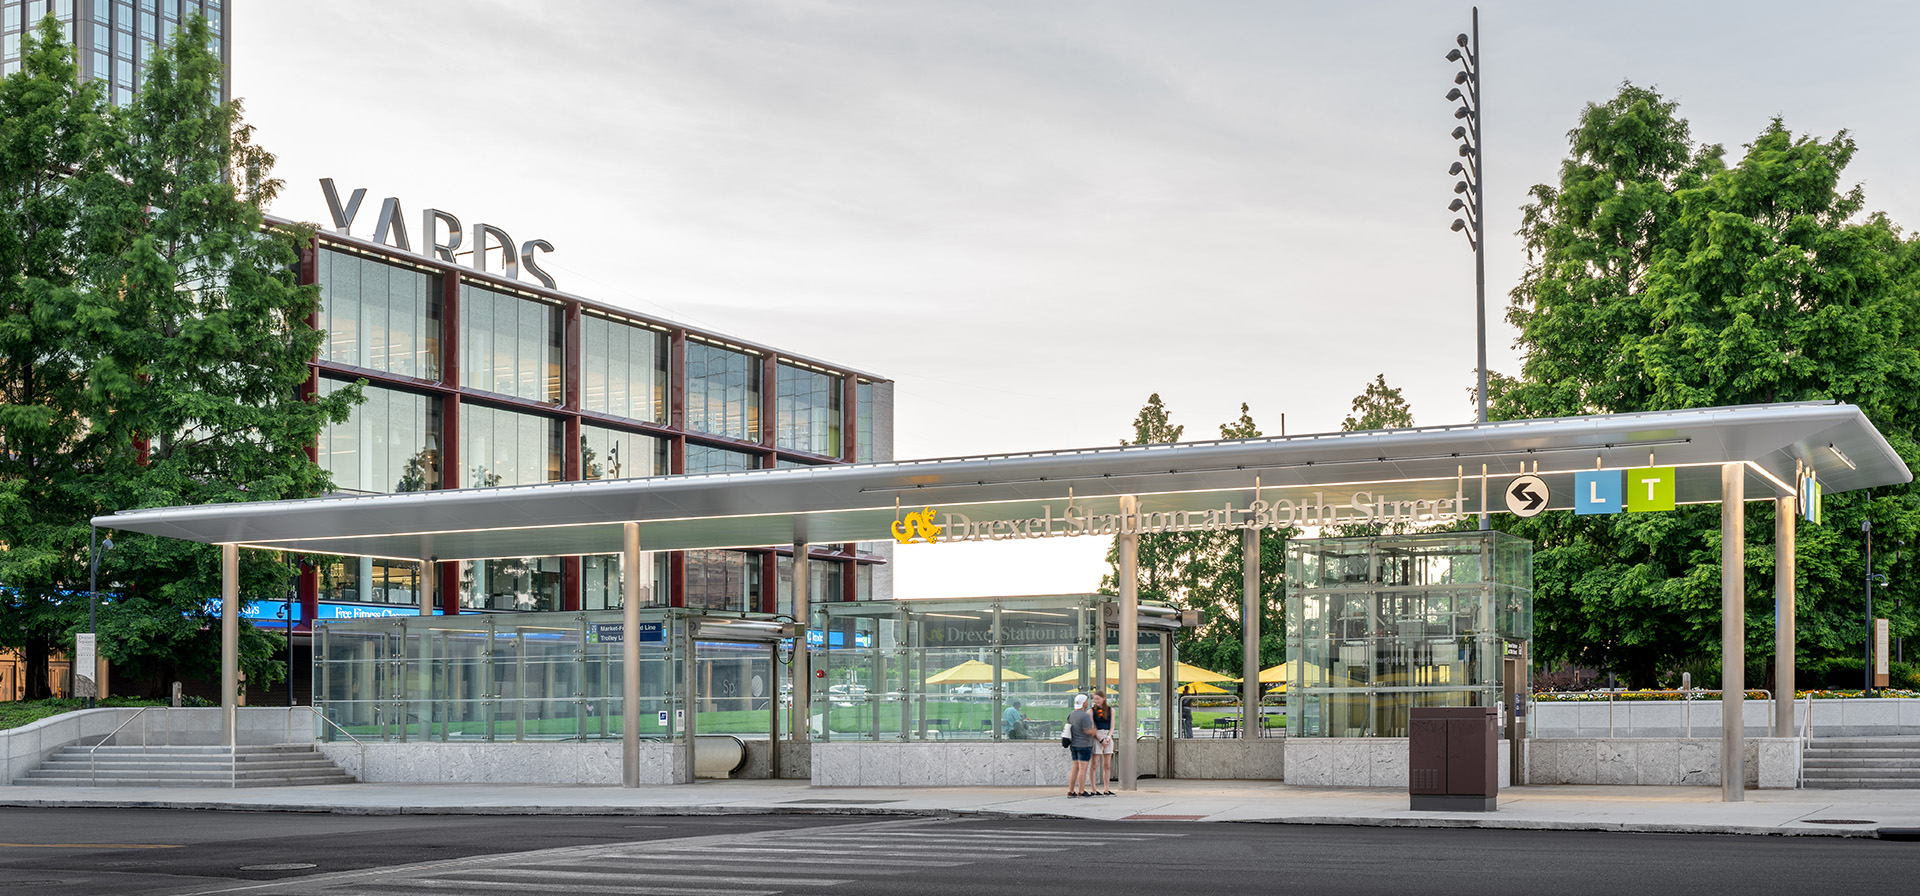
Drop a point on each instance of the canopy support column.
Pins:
(1127, 726)
(1733, 631)
(1250, 717)
(630, 656)
(1784, 573)
(802, 715)
(230, 642)
(429, 583)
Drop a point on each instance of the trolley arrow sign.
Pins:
(1527, 496)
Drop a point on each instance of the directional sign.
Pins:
(1527, 496)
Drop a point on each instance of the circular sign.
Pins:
(1526, 496)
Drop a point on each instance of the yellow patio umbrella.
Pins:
(1274, 674)
(1201, 687)
(1072, 676)
(1186, 673)
(973, 672)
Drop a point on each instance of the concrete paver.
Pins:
(1886, 813)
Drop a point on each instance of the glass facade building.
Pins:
(478, 380)
(1378, 625)
(116, 39)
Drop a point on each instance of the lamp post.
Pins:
(94, 547)
(1469, 198)
(1866, 527)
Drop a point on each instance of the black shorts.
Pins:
(1083, 754)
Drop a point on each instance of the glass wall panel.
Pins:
(708, 459)
(623, 369)
(824, 584)
(601, 582)
(390, 443)
(509, 344)
(807, 405)
(379, 316)
(499, 447)
(1376, 626)
(369, 580)
(723, 580)
(612, 454)
(863, 422)
(526, 584)
(723, 392)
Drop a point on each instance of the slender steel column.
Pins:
(1783, 612)
(630, 656)
(802, 662)
(229, 641)
(1127, 726)
(1733, 631)
(429, 583)
(688, 749)
(1250, 717)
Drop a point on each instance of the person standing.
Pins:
(1102, 768)
(1080, 729)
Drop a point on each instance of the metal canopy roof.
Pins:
(860, 502)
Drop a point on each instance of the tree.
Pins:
(1661, 278)
(1379, 406)
(51, 466)
(180, 355)
(1203, 571)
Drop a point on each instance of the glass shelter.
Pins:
(1378, 625)
(987, 669)
(547, 676)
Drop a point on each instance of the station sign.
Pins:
(390, 229)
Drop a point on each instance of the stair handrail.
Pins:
(1800, 753)
(91, 776)
(362, 771)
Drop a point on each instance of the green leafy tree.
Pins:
(1379, 406)
(1203, 571)
(53, 459)
(173, 374)
(1662, 278)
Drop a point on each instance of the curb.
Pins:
(1516, 824)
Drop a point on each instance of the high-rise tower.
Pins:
(115, 38)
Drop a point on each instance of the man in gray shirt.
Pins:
(1080, 726)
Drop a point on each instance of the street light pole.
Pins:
(1470, 196)
(1866, 526)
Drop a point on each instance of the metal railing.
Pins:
(233, 755)
(92, 777)
(1687, 696)
(360, 772)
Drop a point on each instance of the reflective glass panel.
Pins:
(500, 447)
(613, 454)
(723, 392)
(509, 344)
(807, 405)
(708, 459)
(379, 316)
(524, 584)
(623, 369)
(390, 443)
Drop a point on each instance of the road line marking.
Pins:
(429, 883)
(591, 876)
(94, 845)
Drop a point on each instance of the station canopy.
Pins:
(1441, 469)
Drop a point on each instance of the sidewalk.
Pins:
(1885, 813)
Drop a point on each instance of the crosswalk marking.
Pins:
(763, 864)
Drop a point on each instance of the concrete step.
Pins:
(1864, 784)
(133, 766)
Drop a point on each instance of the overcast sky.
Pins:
(1032, 215)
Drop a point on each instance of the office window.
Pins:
(499, 447)
(723, 392)
(509, 344)
(369, 580)
(623, 369)
(602, 581)
(391, 443)
(708, 459)
(807, 411)
(530, 584)
(863, 422)
(723, 580)
(612, 454)
(379, 316)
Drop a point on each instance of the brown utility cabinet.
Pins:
(1452, 765)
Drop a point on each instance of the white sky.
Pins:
(1032, 215)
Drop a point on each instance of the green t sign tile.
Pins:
(1649, 488)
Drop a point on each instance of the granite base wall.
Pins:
(593, 762)
(1230, 759)
(937, 764)
(1771, 762)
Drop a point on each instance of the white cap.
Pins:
(1079, 701)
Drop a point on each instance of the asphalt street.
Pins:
(52, 852)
